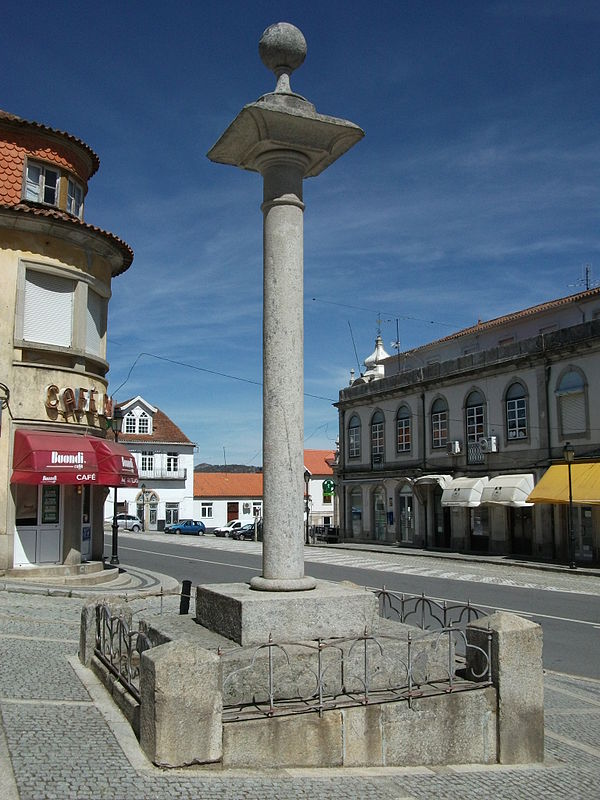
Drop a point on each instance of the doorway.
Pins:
(38, 522)
(406, 516)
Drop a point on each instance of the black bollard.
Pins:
(184, 602)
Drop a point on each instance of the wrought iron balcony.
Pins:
(163, 474)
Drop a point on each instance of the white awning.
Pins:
(464, 492)
(508, 490)
(431, 480)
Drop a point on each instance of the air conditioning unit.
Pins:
(489, 444)
(453, 448)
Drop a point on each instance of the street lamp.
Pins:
(117, 427)
(569, 456)
(306, 499)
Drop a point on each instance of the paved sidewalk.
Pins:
(62, 739)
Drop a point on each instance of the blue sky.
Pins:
(476, 190)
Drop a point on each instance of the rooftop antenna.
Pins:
(354, 346)
(586, 278)
(396, 344)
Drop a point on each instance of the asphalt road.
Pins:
(567, 608)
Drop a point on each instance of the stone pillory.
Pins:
(282, 137)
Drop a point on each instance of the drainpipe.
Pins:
(423, 431)
(547, 371)
(424, 451)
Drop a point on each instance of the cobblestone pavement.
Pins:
(61, 738)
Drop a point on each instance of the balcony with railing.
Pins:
(162, 474)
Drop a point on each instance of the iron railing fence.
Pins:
(304, 677)
(119, 646)
(314, 676)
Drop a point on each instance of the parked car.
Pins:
(127, 521)
(227, 530)
(245, 532)
(186, 526)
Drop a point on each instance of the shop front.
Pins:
(59, 483)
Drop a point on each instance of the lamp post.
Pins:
(306, 506)
(569, 456)
(117, 426)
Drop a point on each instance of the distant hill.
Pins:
(225, 468)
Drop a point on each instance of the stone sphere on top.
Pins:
(282, 48)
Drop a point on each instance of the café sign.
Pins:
(76, 403)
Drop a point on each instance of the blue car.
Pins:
(186, 526)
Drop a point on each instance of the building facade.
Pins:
(220, 497)
(56, 273)
(164, 457)
(441, 446)
(321, 498)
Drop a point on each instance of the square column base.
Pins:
(247, 617)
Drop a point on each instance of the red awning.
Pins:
(116, 465)
(41, 457)
(53, 458)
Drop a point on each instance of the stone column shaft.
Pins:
(283, 380)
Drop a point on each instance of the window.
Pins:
(377, 437)
(172, 461)
(475, 417)
(439, 423)
(56, 308)
(147, 461)
(256, 508)
(354, 437)
(356, 509)
(48, 309)
(571, 394)
(75, 200)
(171, 513)
(129, 423)
(41, 184)
(144, 425)
(516, 412)
(206, 510)
(403, 429)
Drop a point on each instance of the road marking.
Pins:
(188, 558)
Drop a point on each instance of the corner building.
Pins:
(442, 446)
(55, 283)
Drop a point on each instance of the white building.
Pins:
(441, 446)
(220, 497)
(165, 461)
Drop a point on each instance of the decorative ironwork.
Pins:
(302, 677)
(119, 647)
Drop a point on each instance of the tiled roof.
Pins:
(228, 484)
(38, 210)
(318, 462)
(13, 120)
(163, 430)
(513, 317)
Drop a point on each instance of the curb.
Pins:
(463, 557)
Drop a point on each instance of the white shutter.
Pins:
(94, 323)
(572, 413)
(48, 309)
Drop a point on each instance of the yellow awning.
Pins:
(553, 486)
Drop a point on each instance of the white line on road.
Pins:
(594, 624)
(187, 558)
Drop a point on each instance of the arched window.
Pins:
(403, 429)
(439, 423)
(377, 437)
(475, 417)
(354, 437)
(516, 412)
(129, 423)
(143, 423)
(571, 393)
